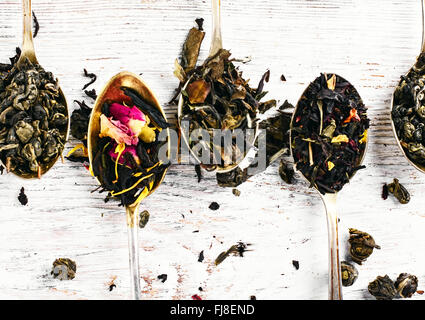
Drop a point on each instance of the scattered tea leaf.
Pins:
(296, 264)
(144, 218)
(36, 25)
(163, 277)
(23, 199)
(361, 245)
(349, 274)
(201, 256)
(406, 285)
(399, 191)
(92, 77)
(236, 192)
(64, 269)
(382, 288)
(198, 171)
(214, 206)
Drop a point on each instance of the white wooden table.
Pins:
(369, 42)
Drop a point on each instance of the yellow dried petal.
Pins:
(340, 138)
(147, 134)
(332, 82)
(331, 165)
(364, 137)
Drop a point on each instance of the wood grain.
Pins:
(370, 43)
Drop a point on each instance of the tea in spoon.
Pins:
(408, 110)
(328, 142)
(34, 118)
(214, 98)
(124, 148)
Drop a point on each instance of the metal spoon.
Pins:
(417, 166)
(28, 52)
(330, 202)
(112, 92)
(216, 45)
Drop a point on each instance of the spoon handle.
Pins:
(423, 25)
(335, 290)
(27, 43)
(216, 41)
(133, 250)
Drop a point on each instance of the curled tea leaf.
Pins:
(349, 274)
(361, 245)
(406, 285)
(399, 191)
(382, 288)
(64, 269)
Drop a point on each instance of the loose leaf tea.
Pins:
(398, 190)
(33, 119)
(329, 133)
(163, 277)
(214, 206)
(382, 288)
(23, 199)
(217, 97)
(408, 113)
(64, 269)
(36, 25)
(406, 285)
(237, 249)
(349, 274)
(126, 160)
(361, 245)
(144, 219)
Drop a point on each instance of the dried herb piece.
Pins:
(361, 245)
(144, 218)
(214, 206)
(1, 169)
(201, 256)
(349, 274)
(23, 199)
(399, 191)
(36, 25)
(253, 298)
(382, 288)
(163, 277)
(198, 172)
(92, 77)
(282, 78)
(237, 249)
(64, 269)
(196, 297)
(406, 285)
(296, 264)
(329, 133)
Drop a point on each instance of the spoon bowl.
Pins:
(215, 47)
(112, 93)
(330, 202)
(28, 53)
(417, 166)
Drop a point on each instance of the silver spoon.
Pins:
(112, 92)
(28, 53)
(330, 202)
(417, 166)
(216, 45)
